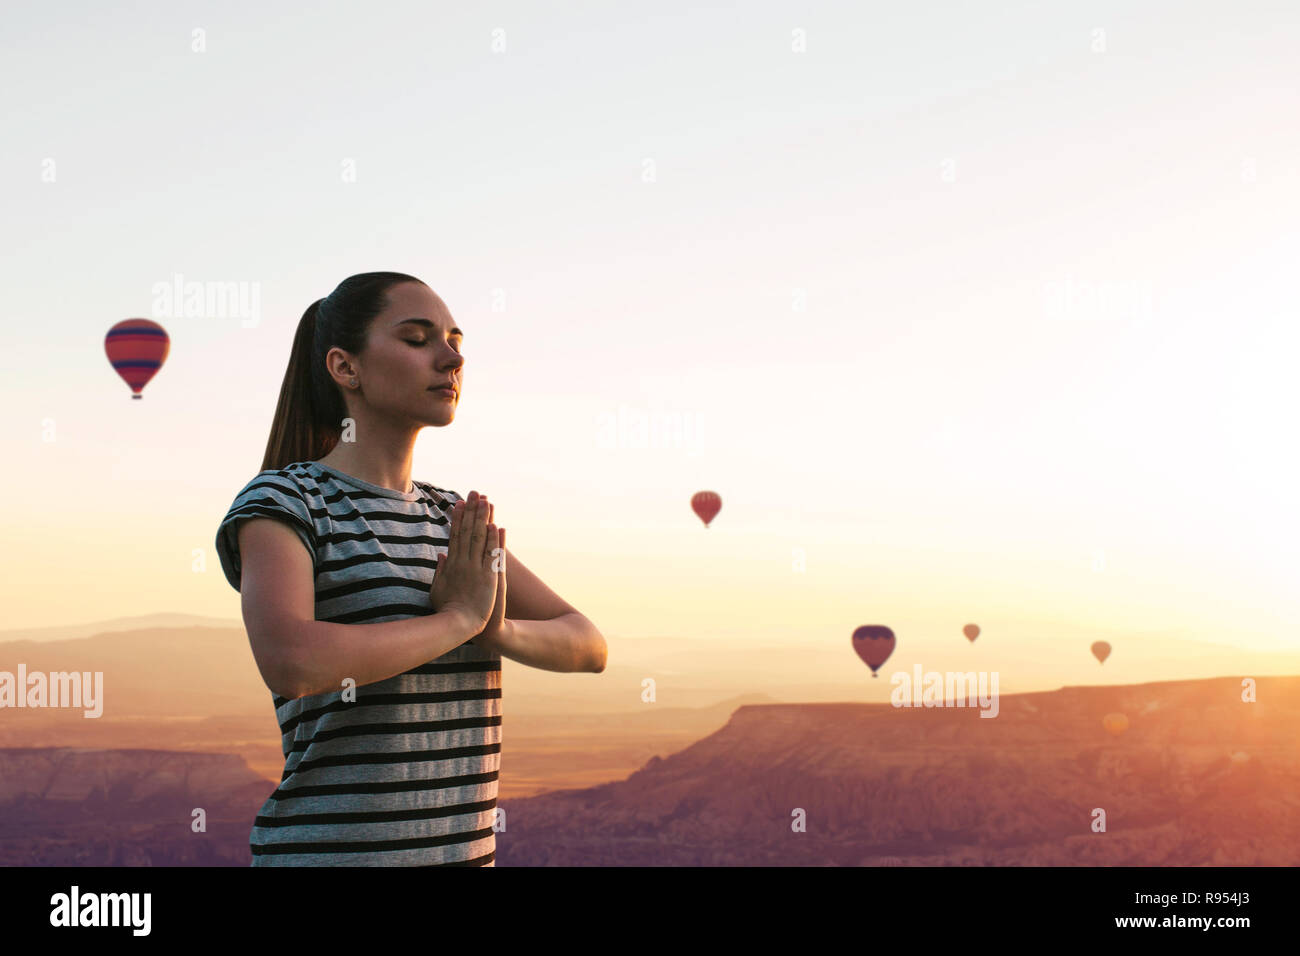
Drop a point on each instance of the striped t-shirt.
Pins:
(405, 775)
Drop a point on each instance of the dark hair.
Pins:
(309, 415)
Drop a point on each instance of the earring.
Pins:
(353, 383)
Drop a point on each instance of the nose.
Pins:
(452, 370)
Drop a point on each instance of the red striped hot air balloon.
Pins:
(137, 348)
(706, 504)
(873, 643)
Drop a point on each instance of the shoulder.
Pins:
(447, 496)
(272, 494)
(279, 489)
(288, 478)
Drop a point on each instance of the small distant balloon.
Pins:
(1115, 724)
(971, 631)
(137, 348)
(873, 643)
(1101, 651)
(706, 504)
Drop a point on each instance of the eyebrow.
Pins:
(426, 322)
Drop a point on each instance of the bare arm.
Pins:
(569, 644)
(543, 630)
(298, 655)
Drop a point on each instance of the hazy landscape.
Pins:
(599, 776)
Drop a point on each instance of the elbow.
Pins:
(285, 679)
(286, 685)
(292, 678)
(278, 661)
(602, 654)
(278, 678)
(297, 679)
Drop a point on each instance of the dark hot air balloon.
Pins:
(873, 643)
(137, 348)
(1101, 651)
(706, 504)
(971, 631)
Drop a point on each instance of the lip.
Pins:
(444, 392)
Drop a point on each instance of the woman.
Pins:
(386, 676)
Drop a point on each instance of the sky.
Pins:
(969, 312)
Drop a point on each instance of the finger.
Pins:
(501, 578)
(493, 549)
(465, 527)
(479, 529)
(456, 544)
(489, 529)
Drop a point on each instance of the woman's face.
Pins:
(413, 347)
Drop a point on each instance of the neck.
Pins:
(387, 467)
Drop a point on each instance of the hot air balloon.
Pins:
(971, 631)
(873, 643)
(137, 348)
(1115, 724)
(706, 504)
(1101, 651)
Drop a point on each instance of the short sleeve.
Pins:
(272, 494)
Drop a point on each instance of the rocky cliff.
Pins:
(1199, 777)
(89, 807)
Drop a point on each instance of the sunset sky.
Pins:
(988, 308)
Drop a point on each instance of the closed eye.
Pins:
(422, 342)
